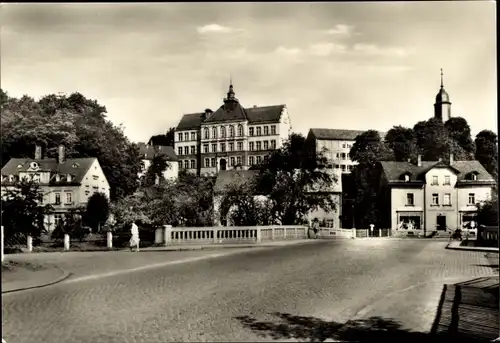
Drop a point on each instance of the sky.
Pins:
(343, 65)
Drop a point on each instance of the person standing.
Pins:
(316, 227)
(134, 239)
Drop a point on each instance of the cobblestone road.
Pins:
(201, 300)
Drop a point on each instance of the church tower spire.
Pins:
(442, 106)
(231, 100)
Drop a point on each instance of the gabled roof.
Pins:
(254, 115)
(339, 134)
(76, 167)
(234, 177)
(394, 170)
(149, 151)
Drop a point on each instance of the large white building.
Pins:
(230, 137)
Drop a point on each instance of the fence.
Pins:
(488, 236)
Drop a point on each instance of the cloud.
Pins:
(288, 51)
(213, 28)
(341, 29)
(372, 49)
(325, 49)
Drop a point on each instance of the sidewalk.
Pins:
(455, 245)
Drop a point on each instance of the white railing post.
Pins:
(296, 232)
(353, 233)
(259, 234)
(215, 234)
(167, 234)
(66, 242)
(30, 243)
(2, 244)
(272, 233)
(158, 235)
(109, 239)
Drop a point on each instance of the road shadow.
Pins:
(452, 322)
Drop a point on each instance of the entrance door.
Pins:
(223, 164)
(441, 222)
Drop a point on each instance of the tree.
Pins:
(23, 210)
(487, 151)
(487, 212)
(368, 150)
(460, 140)
(402, 142)
(97, 211)
(155, 171)
(166, 140)
(79, 124)
(432, 139)
(288, 179)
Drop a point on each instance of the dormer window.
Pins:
(58, 178)
(75, 165)
(472, 176)
(34, 165)
(19, 166)
(68, 178)
(11, 178)
(405, 177)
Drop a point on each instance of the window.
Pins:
(214, 132)
(95, 177)
(407, 177)
(57, 219)
(231, 146)
(447, 180)
(434, 181)
(266, 145)
(447, 199)
(337, 155)
(266, 158)
(240, 130)
(259, 131)
(259, 146)
(205, 133)
(472, 176)
(238, 160)
(337, 166)
(179, 151)
(68, 178)
(207, 162)
(179, 137)
(240, 146)
(342, 167)
(193, 150)
(214, 147)
(180, 164)
(435, 199)
(266, 130)
(410, 199)
(193, 164)
(186, 136)
(193, 136)
(223, 132)
(251, 160)
(273, 144)
(69, 198)
(259, 159)
(250, 131)
(186, 164)
(213, 162)
(344, 145)
(250, 146)
(347, 156)
(223, 147)
(342, 156)
(273, 129)
(58, 198)
(205, 148)
(186, 150)
(472, 199)
(232, 160)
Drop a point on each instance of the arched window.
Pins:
(223, 132)
(205, 133)
(240, 130)
(231, 131)
(214, 132)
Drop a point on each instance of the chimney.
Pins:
(38, 152)
(451, 159)
(60, 156)
(419, 160)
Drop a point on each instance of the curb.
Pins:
(222, 246)
(480, 249)
(63, 277)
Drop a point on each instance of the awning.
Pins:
(410, 214)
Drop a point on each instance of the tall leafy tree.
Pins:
(289, 177)
(487, 151)
(155, 171)
(402, 142)
(432, 139)
(487, 212)
(460, 140)
(97, 211)
(167, 139)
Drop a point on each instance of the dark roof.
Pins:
(77, 167)
(394, 170)
(442, 96)
(254, 115)
(149, 151)
(339, 134)
(234, 177)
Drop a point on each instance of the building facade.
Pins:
(230, 137)
(435, 196)
(150, 151)
(66, 183)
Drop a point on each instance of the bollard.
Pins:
(159, 235)
(30, 243)
(2, 244)
(353, 232)
(66, 242)
(259, 235)
(167, 234)
(109, 239)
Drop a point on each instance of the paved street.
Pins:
(233, 297)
